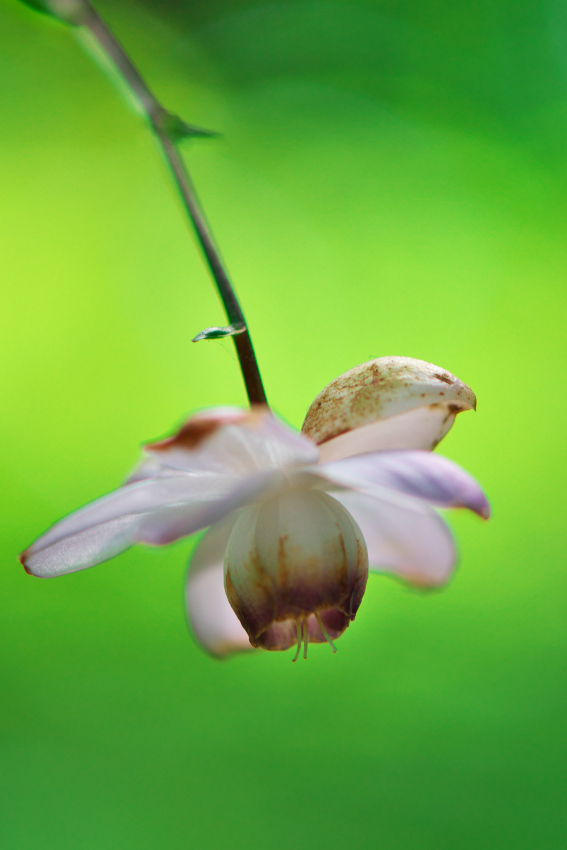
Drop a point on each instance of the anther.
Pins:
(325, 633)
(299, 630)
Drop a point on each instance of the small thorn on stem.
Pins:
(176, 129)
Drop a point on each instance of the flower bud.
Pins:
(297, 558)
(387, 403)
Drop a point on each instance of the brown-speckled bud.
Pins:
(414, 402)
(293, 556)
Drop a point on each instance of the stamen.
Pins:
(325, 633)
(299, 639)
(305, 638)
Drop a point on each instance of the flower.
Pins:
(294, 520)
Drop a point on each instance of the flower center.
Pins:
(295, 570)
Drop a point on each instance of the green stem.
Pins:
(158, 116)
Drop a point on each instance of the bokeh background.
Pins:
(392, 179)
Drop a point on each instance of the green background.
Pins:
(392, 179)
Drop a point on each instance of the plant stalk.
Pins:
(160, 119)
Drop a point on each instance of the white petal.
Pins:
(422, 428)
(418, 474)
(151, 467)
(155, 511)
(384, 389)
(248, 442)
(414, 544)
(307, 536)
(148, 467)
(81, 550)
(212, 620)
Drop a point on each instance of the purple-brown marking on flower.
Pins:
(22, 559)
(204, 424)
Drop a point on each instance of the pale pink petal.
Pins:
(174, 521)
(212, 620)
(83, 549)
(148, 467)
(413, 543)
(422, 428)
(248, 442)
(151, 467)
(418, 474)
(155, 511)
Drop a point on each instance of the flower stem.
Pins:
(161, 120)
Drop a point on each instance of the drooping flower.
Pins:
(294, 520)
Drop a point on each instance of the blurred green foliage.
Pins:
(391, 179)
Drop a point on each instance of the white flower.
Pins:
(295, 519)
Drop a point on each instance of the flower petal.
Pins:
(83, 549)
(154, 511)
(413, 543)
(422, 428)
(388, 388)
(148, 467)
(236, 441)
(212, 620)
(418, 474)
